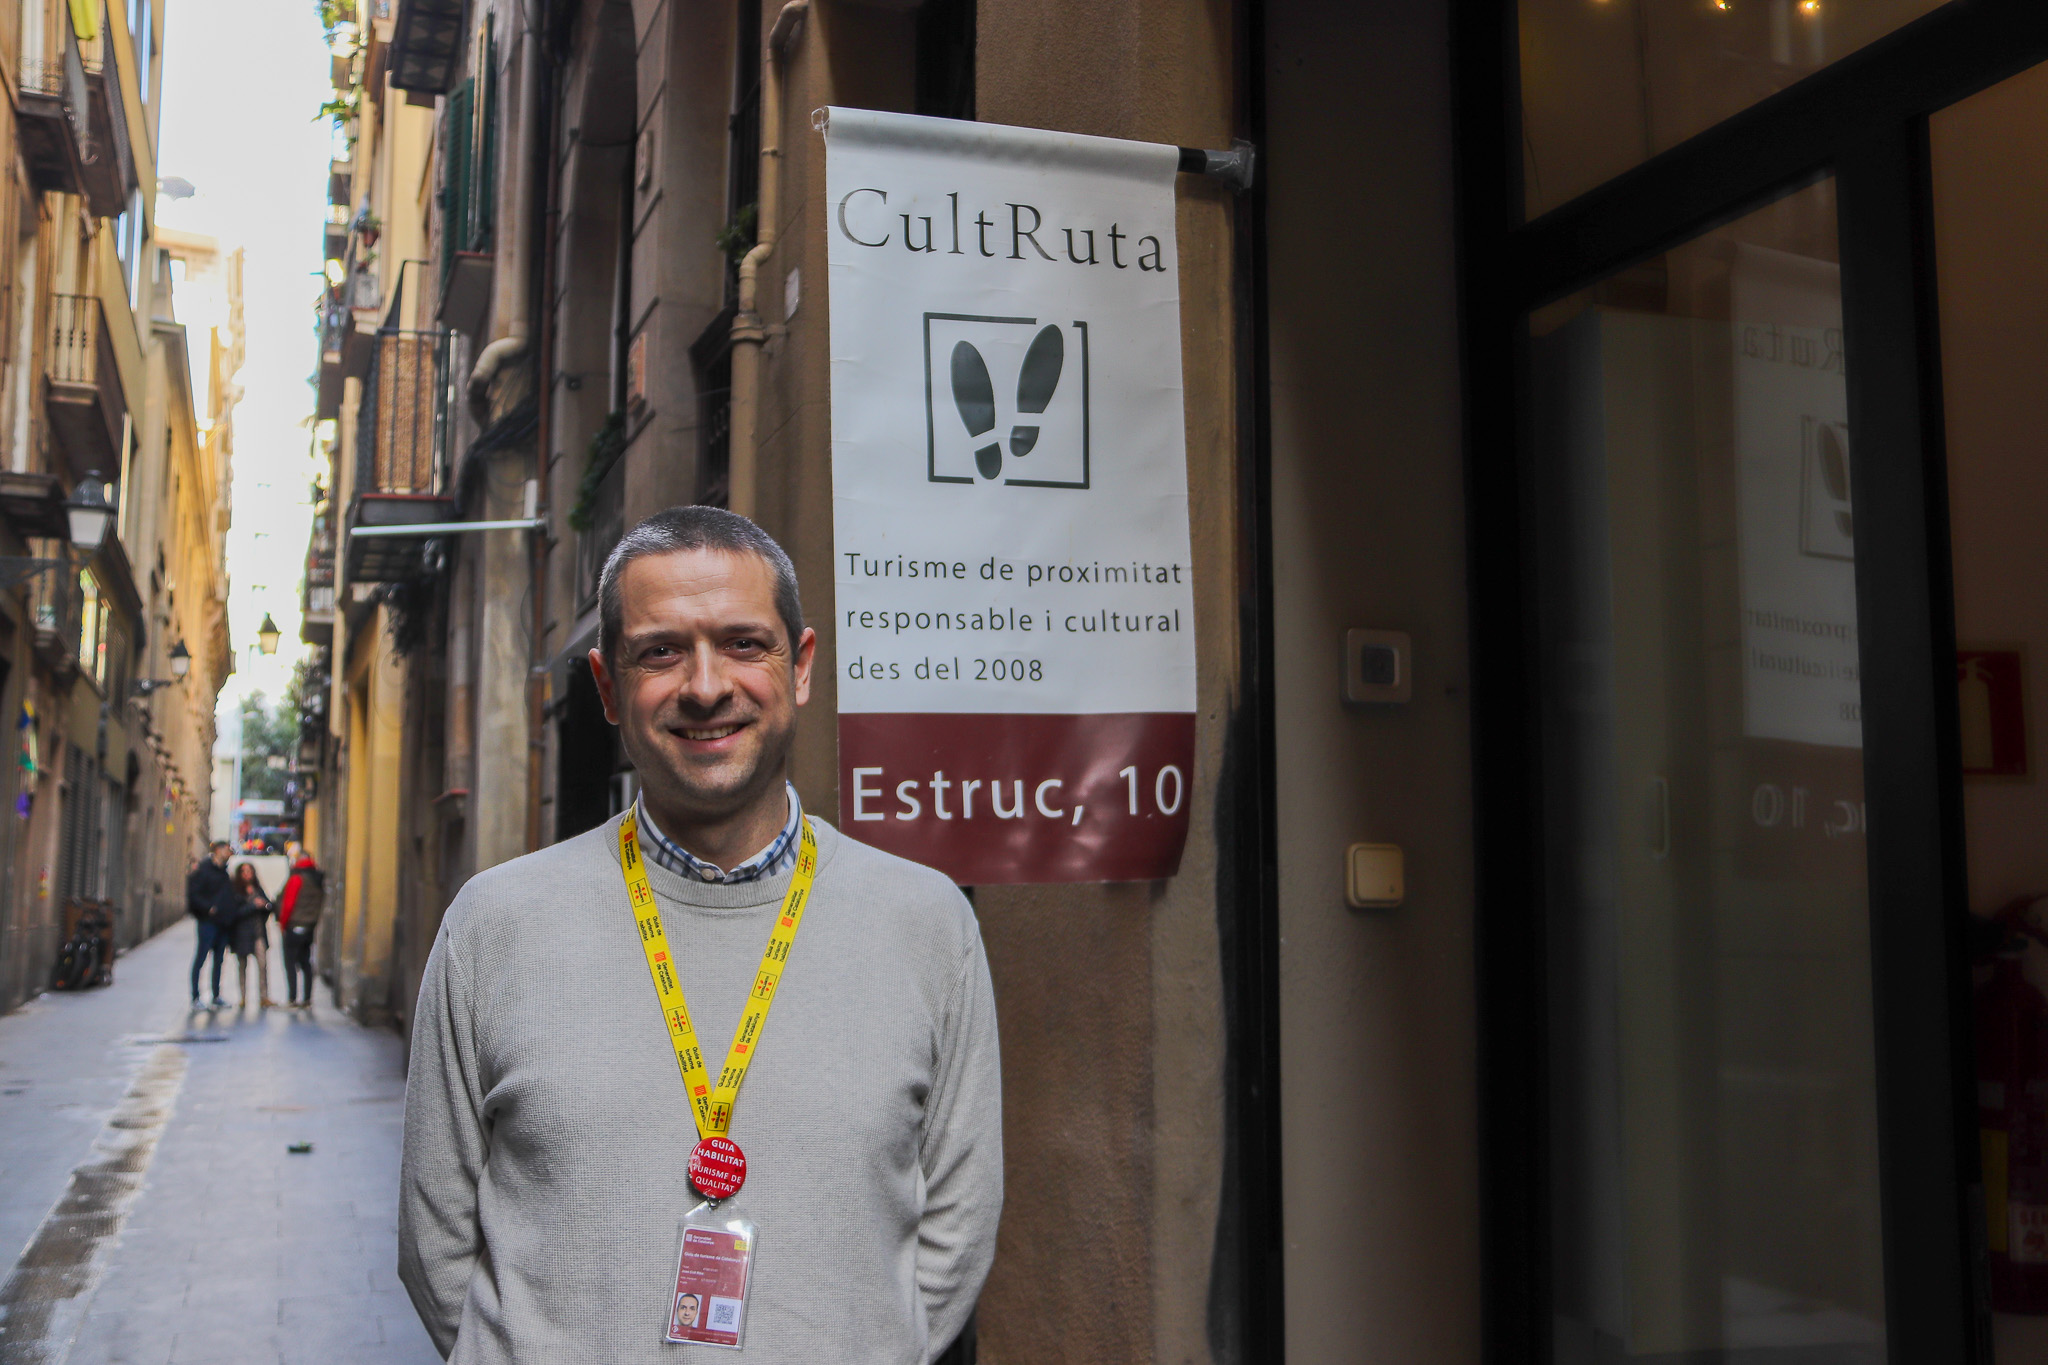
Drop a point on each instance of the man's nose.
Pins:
(708, 684)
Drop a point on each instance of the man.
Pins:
(549, 1138)
(298, 917)
(203, 887)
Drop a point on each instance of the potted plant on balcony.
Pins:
(369, 227)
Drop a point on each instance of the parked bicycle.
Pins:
(86, 959)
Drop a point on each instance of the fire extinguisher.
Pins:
(2012, 1112)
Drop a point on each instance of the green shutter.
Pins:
(455, 181)
(485, 178)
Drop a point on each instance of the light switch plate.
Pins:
(1377, 667)
(1375, 876)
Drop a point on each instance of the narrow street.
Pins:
(147, 1194)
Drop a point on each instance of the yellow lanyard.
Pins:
(713, 1105)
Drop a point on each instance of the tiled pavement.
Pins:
(148, 1203)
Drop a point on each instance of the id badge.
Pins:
(709, 1306)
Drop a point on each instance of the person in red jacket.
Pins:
(298, 914)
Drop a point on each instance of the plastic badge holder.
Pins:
(714, 1265)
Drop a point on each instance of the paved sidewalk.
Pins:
(148, 1205)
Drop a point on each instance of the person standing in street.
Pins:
(298, 917)
(578, 1165)
(247, 910)
(203, 887)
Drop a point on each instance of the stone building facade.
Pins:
(109, 785)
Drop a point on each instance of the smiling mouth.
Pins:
(706, 735)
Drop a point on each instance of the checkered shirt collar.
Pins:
(778, 857)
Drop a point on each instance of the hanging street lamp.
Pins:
(87, 515)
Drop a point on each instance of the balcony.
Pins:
(348, 331)
(468, 197)
(74, 128)
(402, 452)
(55, 110)
(426, 44)
(316, 599)
(109, 160)
(33, 505)
(82, 387)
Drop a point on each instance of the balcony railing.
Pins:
(75, 325)
(55, 107)
(84, 398)
(320, 567)
(74, 126)
(404, 427)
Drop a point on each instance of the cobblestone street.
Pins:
(148, 1196)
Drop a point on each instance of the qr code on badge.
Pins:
(723, 1315)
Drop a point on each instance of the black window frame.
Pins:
(1862, 120)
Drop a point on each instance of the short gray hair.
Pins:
(695, 528)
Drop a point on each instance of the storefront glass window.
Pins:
(1990, 189)
(1712, 1101)
(1607, 84)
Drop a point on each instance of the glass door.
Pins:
(1989, 182)
(1713, 1124)
(1725, 967)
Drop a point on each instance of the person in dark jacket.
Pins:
(298, 916)
(208, 878)
(244, 907)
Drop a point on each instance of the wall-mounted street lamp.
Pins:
(87, 514)
(267, 634)
(181, 664)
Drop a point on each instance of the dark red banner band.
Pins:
(989, 799)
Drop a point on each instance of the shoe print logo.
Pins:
(1827, 520)
(987, 376)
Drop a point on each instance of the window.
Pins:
(92, 628)
(1728, 768)
(469, 155)
(140, 22)
(128, 229)
(742, 144)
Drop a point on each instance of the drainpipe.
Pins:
(748, 332)
(512, 282)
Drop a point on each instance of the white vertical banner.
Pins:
(1801, 678)
(1015, 613)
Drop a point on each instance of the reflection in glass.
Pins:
(1610, 83)
(1712, 1076)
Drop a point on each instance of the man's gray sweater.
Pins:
(547, 1133)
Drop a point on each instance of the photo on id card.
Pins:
(709, 1307)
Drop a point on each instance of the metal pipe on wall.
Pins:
(748, 331)
(510, 306)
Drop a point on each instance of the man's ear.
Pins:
(806, 648)
(604, 685)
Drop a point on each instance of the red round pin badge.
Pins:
(718, 1168)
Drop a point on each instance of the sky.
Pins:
(242, 80)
